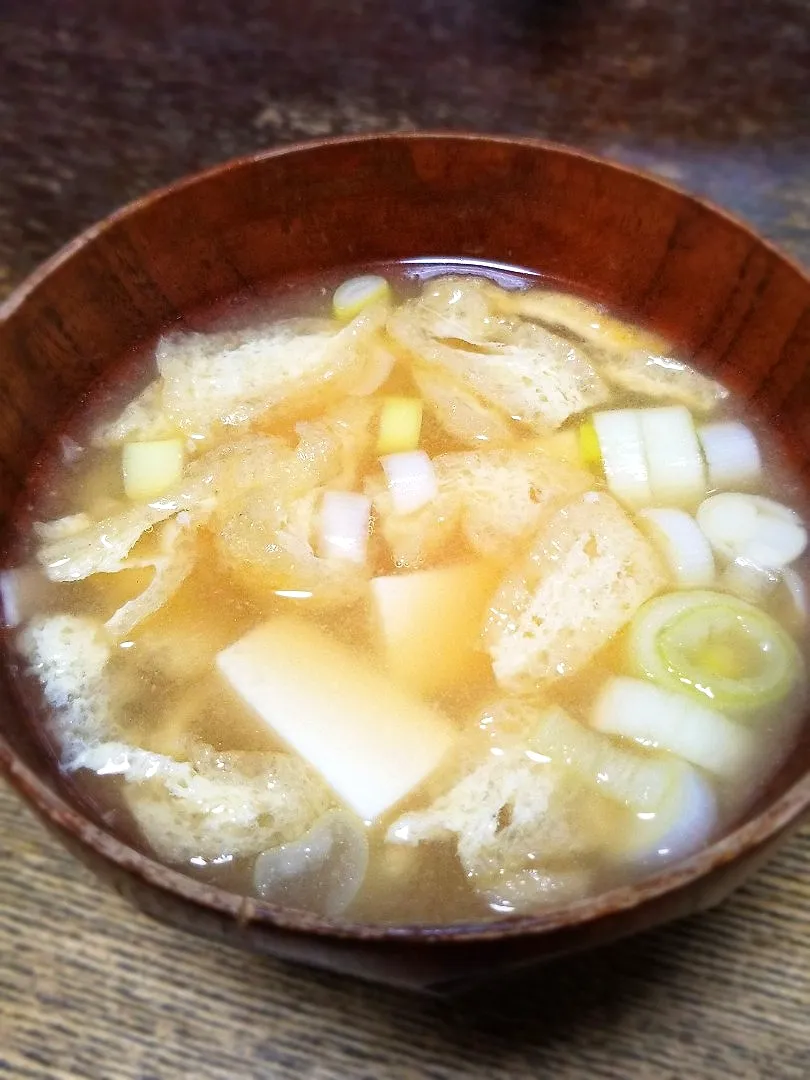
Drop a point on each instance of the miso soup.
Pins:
(433, 595)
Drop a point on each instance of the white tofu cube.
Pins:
(369, 740)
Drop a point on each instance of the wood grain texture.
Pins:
(90, 990)
(101, 102)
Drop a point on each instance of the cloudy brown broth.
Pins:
(563, 690)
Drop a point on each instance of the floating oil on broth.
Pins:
(411, 600)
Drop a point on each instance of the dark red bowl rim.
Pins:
(779, 816)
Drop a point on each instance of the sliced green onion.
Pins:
(345, 524)
(411, 480)
(638, 781)
(400, 425)
(796, 598)
(674, 459)
(679, 538)
(150, 468)
(589, 452)
(357, 293)
(621, 446)
(749, 580)
(682, 823)
(666, 720)
(751, 526)
(673, 638)
(322, 871)
(650, 455)
(731, 452)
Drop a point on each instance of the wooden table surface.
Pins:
(99, 102)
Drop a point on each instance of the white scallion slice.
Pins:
(640, 782)
(663, 720)
(345, 522)
(758, 529)
(411, 480)
(321, 872)
(536, 887)
(797, 601)
(621, 445)
(715, 649)
(749, 580)
(731, 453)
(683, 823)
(682, 543)
(357, 293)
(674, 459)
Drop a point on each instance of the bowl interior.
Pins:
(700, 278)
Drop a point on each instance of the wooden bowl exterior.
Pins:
(701, 278)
